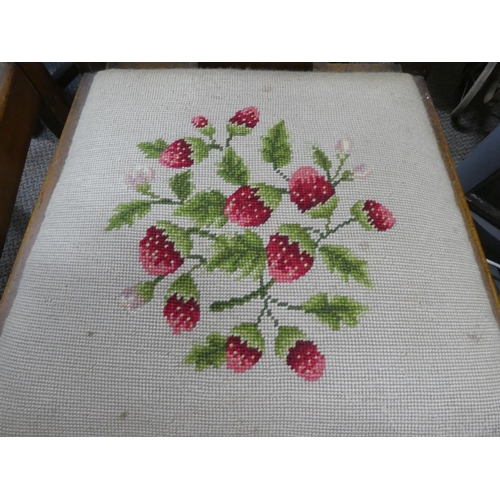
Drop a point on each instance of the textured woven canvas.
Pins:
(251, 253)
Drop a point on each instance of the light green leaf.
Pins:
(178, 235)
(205, 209)
(232, 169)
(296, 232)
(128, 213)
(199, 147)
(250, 333)
(321, 159)
(211, 354)
(234, 130)
(360, 215)
(243, 253)
(335, 310)
(208, 130)
(325, 210)
(347, 175)
(287, 337)
(340, 259)
(185, 287)
(276, 147)
(153, 149)
(270, 195)
(145, 189)
(181, 185)
(146, 290)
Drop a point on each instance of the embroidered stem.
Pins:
(275, 321)
(313, 230)
(198, 257)
(290, 307)
(157, 280)
(261, 292)
(228, 140)
(342, 159)
(334, 230)
(263, 311)
(279, 172)
(165, 201)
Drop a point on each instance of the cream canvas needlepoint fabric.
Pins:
(251, 253)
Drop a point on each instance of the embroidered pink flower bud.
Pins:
(361, 172)
(344, 146)
(139, 175)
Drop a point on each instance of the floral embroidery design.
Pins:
(288, 255)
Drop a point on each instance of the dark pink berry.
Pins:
(379, 216)
(240, 357)
(248, 117)
(308, 188)
(199, 121)
(177, 155)
(245, 208)
(182, 315)
(157, 253)
(305, 359)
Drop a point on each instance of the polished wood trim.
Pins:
(18, 111)
(54, 107)
(150, 65)
(460, 196)
(49, 184)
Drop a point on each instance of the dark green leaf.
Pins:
(185, 287)
(287, 337)
(128, 213)
(205, 209)
(335, 310)
(321, 159)
(250, 333)
(232, 169)
(153, 149)
(243, 252)
(178, 235)
(212, 354)
(361, 216)
(181, 185)
(340, 259)
(276, 147)
(146, 290)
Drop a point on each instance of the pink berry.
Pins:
(177, 155)
(308, 188)
(182, 315)
(157, 253)
(199, 121)
(305, 359)
(379, 216)
(240, 357)
(245, 208)
(285, 261)
(248, 117)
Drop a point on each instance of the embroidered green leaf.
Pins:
(205, 209)
(270, 195)
(287, 337)
(296, 232)
(335, 310)
(325, 210)
(360, 215)
(185, 287)
(347, 175)
(276, 147)
(199, 147)
(232, 169)
(178, 235)
(233, 129)
(211, 354)
(252, 335)
(321, 159)
(145, 189)
(340, 259)
(153, 149)
(243, 253)
(146, 290)
(181, 185)
(208, 130)
(128, 213)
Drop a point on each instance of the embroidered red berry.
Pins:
(181, 314)
(286, 260)
(308, 188)
(306, 360)
(199, 121)
(246, 208)
(248, 117)
(177, 155)
(380, 217)
(240, 357)
(157, 253)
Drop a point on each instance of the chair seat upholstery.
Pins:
(251, 253)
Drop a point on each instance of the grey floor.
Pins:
(444, 85)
